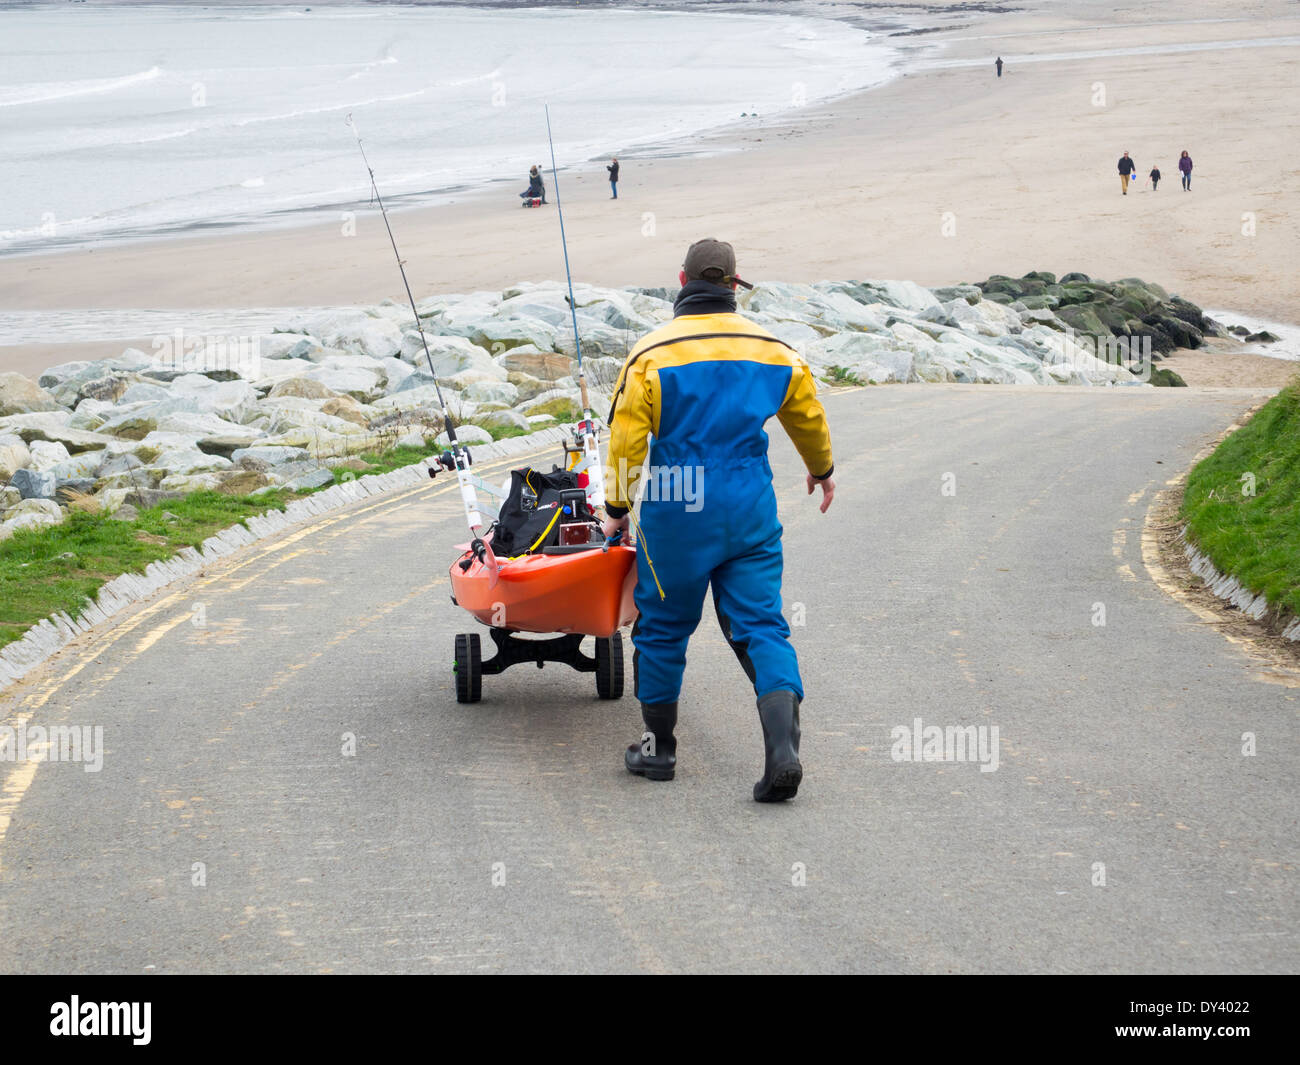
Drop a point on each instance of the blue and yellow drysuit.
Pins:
(701, 388)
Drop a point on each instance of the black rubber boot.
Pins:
(660, 720)
(779, 713)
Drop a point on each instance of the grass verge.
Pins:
(1242, 504)
(62, 567)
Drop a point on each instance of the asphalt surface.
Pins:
(506, 836)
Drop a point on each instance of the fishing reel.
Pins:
(447, 461)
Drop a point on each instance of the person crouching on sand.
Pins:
(1155, 177)
(1185, 165)
(536, 190)
(1126, 168)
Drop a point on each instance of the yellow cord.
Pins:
(641, 540)
(545, 533)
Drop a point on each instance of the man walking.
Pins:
(1126, 168)
(701, 388)
(998, 64)
(613, 177)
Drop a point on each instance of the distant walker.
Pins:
(1126, 168)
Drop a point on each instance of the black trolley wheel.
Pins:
(609, 666)
(468, 668)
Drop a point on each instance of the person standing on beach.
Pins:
(1185, 165)
(613, 177)
(1155, 177)
(697, 392)
(998, 64)
(1126, 168)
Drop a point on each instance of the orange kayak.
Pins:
(587, 592)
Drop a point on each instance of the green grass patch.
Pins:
(507, 432)
(62, 567)
(1242, 503)
(842, 375)
(382, 462)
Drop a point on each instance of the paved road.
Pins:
(1119, 744)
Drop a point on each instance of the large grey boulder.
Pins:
(46, 455)
(189, 483)
(302, 387)
(21, 395)
(356, 331)
(466, 434)
(233, 401)
(189, 460)
(867, 357)
(57, 374)
(28, 521)
(598, 340)
(501, 419)
(487, 391)
(360, 382)
(78, 467)
(498, 335)
(451, 355)
(395, 371)
(907, 295)
(416, 398)
(264, 458)
(144, 392)
(14, 455)
(34, 505)
(34, 484)
(119, 464)
(546, 365)
(985, 318)
(224, 444)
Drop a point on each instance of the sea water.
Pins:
(122, 121)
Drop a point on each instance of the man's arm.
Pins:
(804, 420)
(630, 422)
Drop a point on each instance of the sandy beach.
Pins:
(946, 174)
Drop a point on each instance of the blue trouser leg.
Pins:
(747, 589)
(664, 628)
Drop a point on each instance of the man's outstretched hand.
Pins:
(612, 525)
(828, 490)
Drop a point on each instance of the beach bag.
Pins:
(533, 510)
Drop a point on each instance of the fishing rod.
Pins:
(458, 458)
(585, 431)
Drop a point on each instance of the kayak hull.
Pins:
(588, 592)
